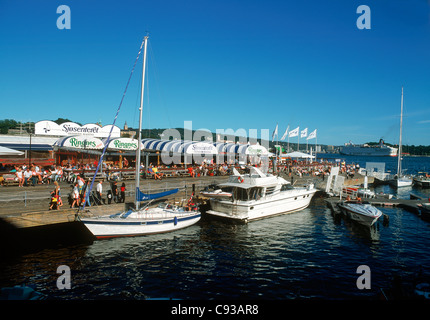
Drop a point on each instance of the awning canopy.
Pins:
(244, 149)
(88, 144)
(28, 146)
(122, 144)
(9, 152)
(179, 146)
(201, 147)
(297, 154)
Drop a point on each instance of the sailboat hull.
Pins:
(106, 227)
(402, 182)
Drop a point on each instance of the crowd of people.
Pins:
(317, 169)
(32, 175)
(204, 169)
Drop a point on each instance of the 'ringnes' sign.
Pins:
(123, 144)
(50, 128)
(82, 142)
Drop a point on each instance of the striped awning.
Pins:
(179, 146)
(88, 144)
(200, 147)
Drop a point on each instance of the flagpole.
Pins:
(316, 148)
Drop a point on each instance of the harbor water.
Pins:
(311, 254)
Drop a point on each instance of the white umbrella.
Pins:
(297, 154)
(9, 152)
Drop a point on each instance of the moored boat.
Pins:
(164, 218)
(400, 180)
(136, 222)
(363, 213)
(257, 195)
(422, 180)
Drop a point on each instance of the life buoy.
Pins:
(240, 179)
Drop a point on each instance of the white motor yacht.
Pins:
(257, 195)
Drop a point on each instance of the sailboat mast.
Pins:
(139, 139)
(399, 159)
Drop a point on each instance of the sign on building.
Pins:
(50, 128)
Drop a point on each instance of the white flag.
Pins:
(304, 133)
(275, 133)
(285, 134)
(294, 133)
(312, 135)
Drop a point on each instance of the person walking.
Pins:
(115, 192)
(122, 192)
(58, 195)
(75, 196)
(100, 192)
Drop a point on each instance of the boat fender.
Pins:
(175, 220)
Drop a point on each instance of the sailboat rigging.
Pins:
(400, 180)
(165, 218)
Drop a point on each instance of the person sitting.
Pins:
(150, 171)
(157, 175)
(27, 176)
(20, 177)
(191, 172)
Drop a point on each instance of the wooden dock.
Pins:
(29, 206)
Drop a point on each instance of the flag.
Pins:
(275, 133)
(304, 133)
(285, 134)
(294, 133)
(312, 135)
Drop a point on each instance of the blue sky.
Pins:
(223, 64)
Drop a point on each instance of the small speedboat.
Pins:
(363, 213)
(422, 180)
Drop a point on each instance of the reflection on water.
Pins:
(307, 254)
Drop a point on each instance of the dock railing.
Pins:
(39, 199)
(348, 191)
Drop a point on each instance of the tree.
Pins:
(7, 124)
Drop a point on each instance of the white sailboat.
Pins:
(400, 180)
(135, 222)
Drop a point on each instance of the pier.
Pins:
(28, 207)
(410, 205)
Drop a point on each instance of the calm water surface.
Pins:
(308, 254)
